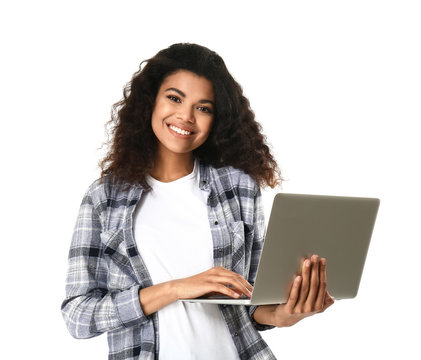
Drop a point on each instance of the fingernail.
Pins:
(307, 263)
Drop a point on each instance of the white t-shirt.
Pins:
(172, 232)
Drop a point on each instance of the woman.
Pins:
(177, 214)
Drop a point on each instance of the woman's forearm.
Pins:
(154, 298)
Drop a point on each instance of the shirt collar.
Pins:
(204, 175)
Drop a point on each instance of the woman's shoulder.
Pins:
(107, 189)
(101, 186)
(229, 177)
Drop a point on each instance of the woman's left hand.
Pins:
(308, 295)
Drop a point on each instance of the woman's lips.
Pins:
(180, 131)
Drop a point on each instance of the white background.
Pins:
(335, 84)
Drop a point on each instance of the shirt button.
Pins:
(216, 222)
(220, 250)
(236, 334)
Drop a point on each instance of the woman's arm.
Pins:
(308, 296)
(89, 309)
(214, 280)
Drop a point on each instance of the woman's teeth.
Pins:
(179, 131)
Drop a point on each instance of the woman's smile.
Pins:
(180, 131)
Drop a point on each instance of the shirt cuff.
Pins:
(128, 307)
(258, 326)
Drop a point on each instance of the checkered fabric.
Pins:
(106, 272)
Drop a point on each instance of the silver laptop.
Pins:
(337, 228)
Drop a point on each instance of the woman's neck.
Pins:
(171, 166)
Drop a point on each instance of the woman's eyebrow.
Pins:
(177, 91)
(204, 101)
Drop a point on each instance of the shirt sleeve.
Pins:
(89, 309)
(259, 236)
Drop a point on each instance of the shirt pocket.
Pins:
(238, 246)
(120, 271)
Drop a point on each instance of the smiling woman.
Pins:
(177, 214)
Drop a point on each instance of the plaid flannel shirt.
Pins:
(106, 272)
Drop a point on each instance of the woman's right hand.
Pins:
(217, 280)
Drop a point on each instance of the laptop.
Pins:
(338, 228)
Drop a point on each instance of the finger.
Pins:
(328, 300)
(305, 283)
(233, 281)
(320, 300)
(221, 271)
(293, 295)
(327, 304)
(188, 288)
(314, 284)
(222, 289)
(243, 285)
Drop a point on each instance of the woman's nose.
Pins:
(186, 115)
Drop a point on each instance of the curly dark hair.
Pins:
(235, 140)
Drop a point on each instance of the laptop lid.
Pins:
(337, 228)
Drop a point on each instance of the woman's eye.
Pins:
(205, 109)
(174, 98)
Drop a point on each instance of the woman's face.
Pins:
(183, 113)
